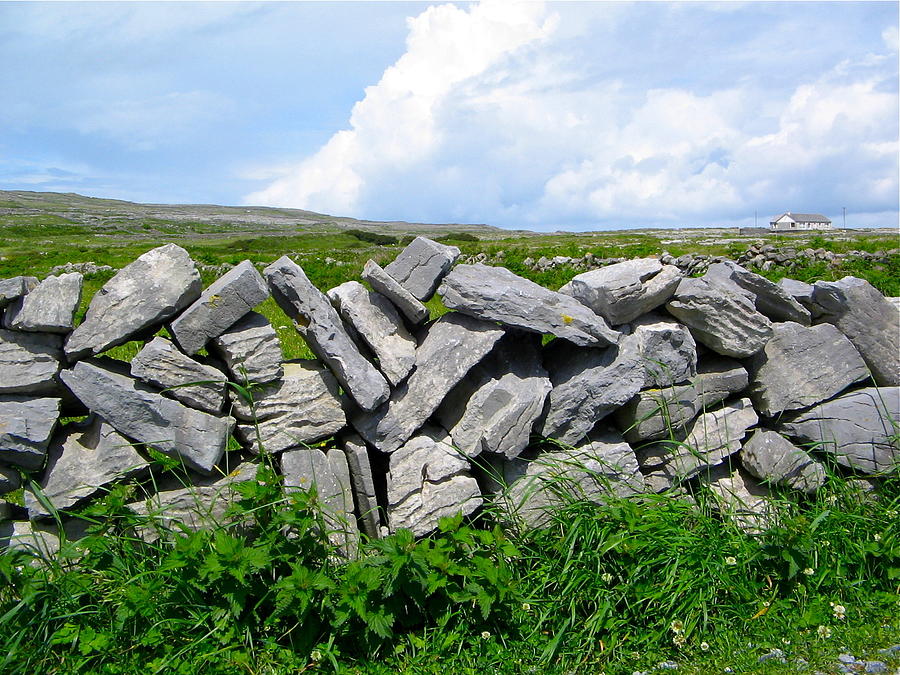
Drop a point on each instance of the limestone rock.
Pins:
(865, 316)
(772, 458)
(802, 366)
(421, 266)
(622, 292)
(139, 298)
(379, 325)
(202, 504)
(50, 307)
(29, 362)
(860, 429)
(588, 384)
(161, 364)
(769, 298)
(799, 290)
(496, 406)
(382, 282)
(725, 322)
(713, 437)
(319, 324)
(363, 484)
(305, 468)
(136, 411)
(26, 425)
(429, 480)
(42, 540)
(452, 346)
(226, 300)
(496, 294)
(667, 350)
(300, 408)
(740, 497)
(251, 350)
(655, 413)
(82, 460)
(603, 467)
(14, 288)
(9, 480)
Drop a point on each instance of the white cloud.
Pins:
(492, 115)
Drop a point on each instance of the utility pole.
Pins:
(755, 223)
(844, 209)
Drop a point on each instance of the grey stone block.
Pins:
(772, 458)
(138, 412)
(251, 350)
(199, 386)
(420, 266)
(29, 362)
(26, 425)
(382, 282)
(319, 324)
(49, 308)
(14, 288)
(667, 350)
(137, 300)
(226, 301)
(363, 484)
(496, 294)
(769, 298)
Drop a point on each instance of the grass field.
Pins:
(618, 589)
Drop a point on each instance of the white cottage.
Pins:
(800, 221)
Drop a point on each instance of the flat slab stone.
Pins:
(588, 385)
(497, 405)
(603, 467)
(140, 413)
(362, 482)
(138, 299)
(859, 429)
(868, 319)
(802, 366)
(421, 266)
(740, 497)
(29, 362)
(9, 480)
(226, 300)
(319, 324)
(769, 298)
(163, 365)
(382, 282)
(49, 307)
(713, 437)
(772, 458)
(379, 325)
(496, 294)
(82, 460)
(667, 350)
(26, 424)
(451, 347)
(657, 413)
(203, 504)
(622, 292)
(251, 350)
(307, 468)
(14, 288)
(725, 322)
(429, 480)
(302, 407)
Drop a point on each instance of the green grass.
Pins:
(611, 589)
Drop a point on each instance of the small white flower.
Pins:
(315, 655)
(679, 640)
(785, 641)
(839, 611)
(877, 537)
(526, 607)
(677, 627)
(809, 571)
(606, 578)
(730, 560)
(704, 646)
(823, 631)
(485, 635)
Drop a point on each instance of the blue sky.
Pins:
(540, 115)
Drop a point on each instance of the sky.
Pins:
(545, 116)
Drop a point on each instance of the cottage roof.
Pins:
(806, 217)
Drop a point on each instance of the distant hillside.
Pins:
(99, 214)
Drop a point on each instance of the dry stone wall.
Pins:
(653, 381)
